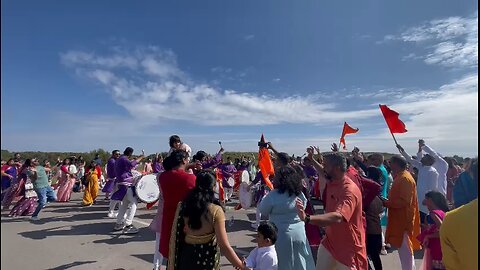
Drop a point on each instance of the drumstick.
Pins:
(220, 144)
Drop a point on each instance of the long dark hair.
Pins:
(439, 200)
(197, 201)
(289, 179)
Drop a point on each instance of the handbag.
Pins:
(29, 190)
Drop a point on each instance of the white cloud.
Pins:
(446, 116)
(276, 80)
(451, 42)
(169, 95)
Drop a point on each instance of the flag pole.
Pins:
(396, 143)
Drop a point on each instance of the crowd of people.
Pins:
(420, 199)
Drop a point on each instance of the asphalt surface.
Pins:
(69, 236)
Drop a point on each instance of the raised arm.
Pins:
(441, 162)
(315, 163)
(415, 163)
(225, 247)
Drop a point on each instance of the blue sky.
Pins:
(83, 75)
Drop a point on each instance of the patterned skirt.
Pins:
(24, 207)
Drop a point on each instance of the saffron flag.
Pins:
(221, 191)
(265, 164)
(393, 122)
(347, 130)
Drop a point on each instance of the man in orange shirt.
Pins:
(403, 216)
(344, 244)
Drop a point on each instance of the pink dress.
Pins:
(65, 186)
(433, 252)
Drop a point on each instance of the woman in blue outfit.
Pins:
(293, 249)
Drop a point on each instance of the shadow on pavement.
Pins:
(143, 235)
(238, 225)
(82, 229)
(146, 216)
(70, 265)
(78, 209)
(145, 257)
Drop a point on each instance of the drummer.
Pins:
(208, 162)
(262, 191)
(228, 171)
(125, 191)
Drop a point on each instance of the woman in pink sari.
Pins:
(66, 182)
(430, 236)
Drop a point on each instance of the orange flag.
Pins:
(265, 163)
(346, 130)
(221, 192)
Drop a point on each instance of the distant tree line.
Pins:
(105, 155)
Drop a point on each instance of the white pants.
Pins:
(128, 201)
(113, 204)
(157, 257)
(325, 261)
(228, 193)
(406, 256)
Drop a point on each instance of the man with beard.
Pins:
(344, 244)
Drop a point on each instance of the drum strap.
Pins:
(127, 181)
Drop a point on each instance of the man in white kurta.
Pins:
(440, 165)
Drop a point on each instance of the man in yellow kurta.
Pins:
(403, 215)
(459, 237)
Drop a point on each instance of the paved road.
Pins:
(69, 236)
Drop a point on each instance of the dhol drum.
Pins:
(147, 189)
(246, 196)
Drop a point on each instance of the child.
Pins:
(264, 257)
(437, 206)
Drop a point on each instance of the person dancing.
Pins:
(126, 191)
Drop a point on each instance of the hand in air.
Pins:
(310, 152)
(334, 147)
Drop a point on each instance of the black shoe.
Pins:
(130, 229)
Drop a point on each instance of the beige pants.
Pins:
(325, 261)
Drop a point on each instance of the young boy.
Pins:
(264, 256)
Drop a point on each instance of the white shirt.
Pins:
(184, 147)
(441, 166)
(263, 258)
(427, 180)
(72, 169)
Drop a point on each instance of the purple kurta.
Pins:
(228, 171)
(108, 188)
(310, 172)
(157, 167)
(124, 177)
(212, 162)
(12, 171)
